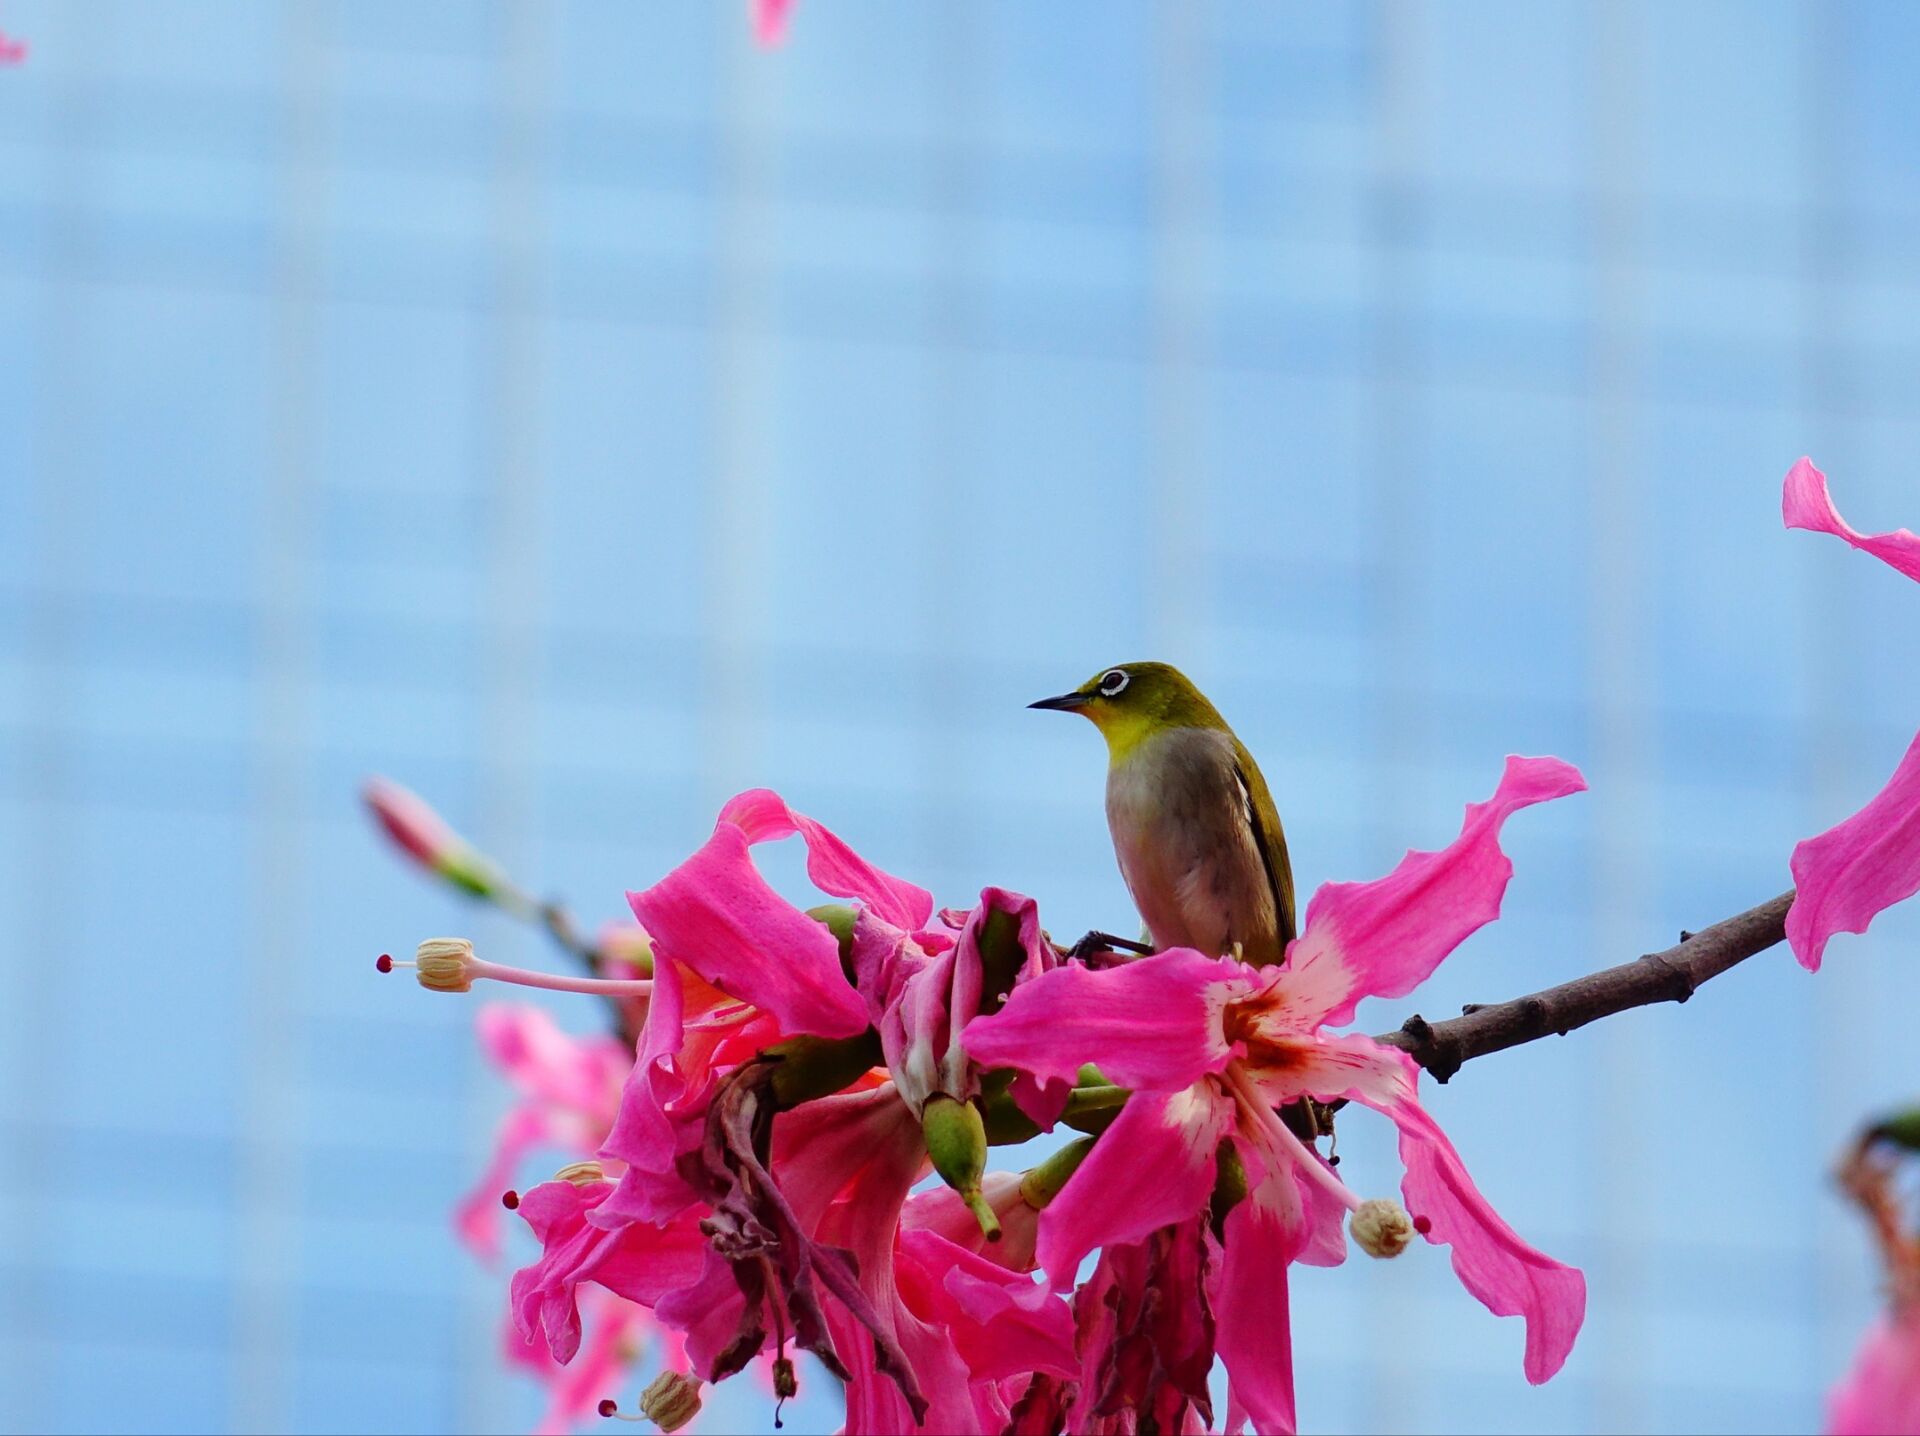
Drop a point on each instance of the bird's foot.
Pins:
(1098, 949)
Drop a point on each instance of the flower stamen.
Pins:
(447, 964)
(671, 1400)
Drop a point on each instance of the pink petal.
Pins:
(1851, 873)
(717, 916)
(575, 1391)
(834, 867)
(770, 20)
(646, 1135)
(1296, 1204)
(1382, 938)
(640, 1262)
(1509, 1277)
(940, 1210)
(477, 1219)
(1152, 1024)
(551, 1065)
(1880, 1394)
(1001, 1322)
(693, 1034)
(1154, 1166)
(1254, 1336)
(1805, 504)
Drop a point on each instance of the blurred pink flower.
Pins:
(1848, 875)
(1212, 1047)
(770, 20)
(568, 1090)
(1880, 1394)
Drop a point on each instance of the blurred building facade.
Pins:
(580, 415)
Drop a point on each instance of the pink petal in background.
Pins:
(1806, 504)
(1880, 1395)
(770, 20)
(1852, 872)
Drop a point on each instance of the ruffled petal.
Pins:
(1154, 1024)
(940, 1210)
(1002, 1322)
(1806, 504)
(834, 867)
(1154, 1166)
(715, 915)
(1254, 1336)
(1509, 1277)
(1851, 873)
(1382, 938)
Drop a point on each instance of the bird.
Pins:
(1194, 827)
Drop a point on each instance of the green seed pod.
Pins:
(957, 1142)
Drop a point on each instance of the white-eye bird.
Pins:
(1194, 827)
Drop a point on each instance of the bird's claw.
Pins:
(1096, 946)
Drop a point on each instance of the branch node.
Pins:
(1470, 1008)
(1441, 1058)
(1680, 982)
(1685, 936)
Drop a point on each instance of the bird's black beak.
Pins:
(1065, 703)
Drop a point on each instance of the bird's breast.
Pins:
(1189, 855)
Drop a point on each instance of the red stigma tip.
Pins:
(510, 1199)
(1422, 1225)
(384, 962)
(607, 1408)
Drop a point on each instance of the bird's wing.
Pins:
(1264, 819)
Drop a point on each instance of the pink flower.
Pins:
(802, 1214)
(1212, 1046)
(1880, 1395)
(770, 20)
(920, 986)
(569, 1090)
(1848, 875)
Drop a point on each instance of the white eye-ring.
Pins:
(1112, 681)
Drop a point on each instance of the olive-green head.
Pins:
(1131, 702)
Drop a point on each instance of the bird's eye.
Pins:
(1112, 681)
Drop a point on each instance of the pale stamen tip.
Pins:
(1381, 1227)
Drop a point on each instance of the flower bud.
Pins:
(424, 836)
(1381, 1227)
(957, 1142)
(445, 964)
(671, 1400)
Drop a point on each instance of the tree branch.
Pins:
(1670, 976)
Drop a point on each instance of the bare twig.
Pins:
(1669, 976)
